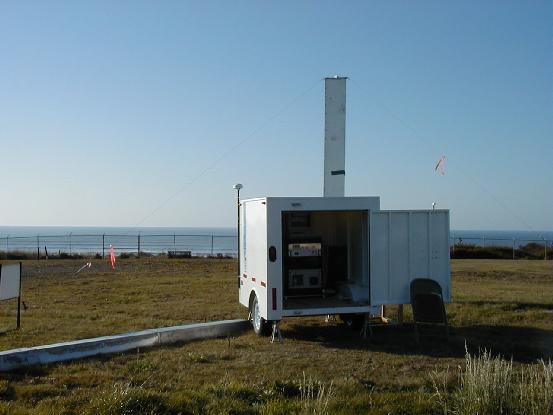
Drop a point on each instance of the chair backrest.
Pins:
(427, 301)
(425, 286)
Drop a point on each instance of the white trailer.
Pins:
(334, 255)
(318, 256)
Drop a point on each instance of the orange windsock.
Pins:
(112, 257)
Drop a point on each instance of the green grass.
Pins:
(504, 306)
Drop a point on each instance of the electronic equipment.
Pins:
(299, 224)
(310, 249)
(304, 278)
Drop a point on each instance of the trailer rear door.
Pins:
(405, 245)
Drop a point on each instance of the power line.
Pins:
(255, 131)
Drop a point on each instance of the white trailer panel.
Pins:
(405, 245)
(253, 251)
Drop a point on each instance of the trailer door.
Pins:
(405, 245)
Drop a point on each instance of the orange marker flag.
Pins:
(112, 257)
(440, 166)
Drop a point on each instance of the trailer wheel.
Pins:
(260, 326)
(352, 321)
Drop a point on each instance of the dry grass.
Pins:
(504, 306)
(140, 294)
(490, 385)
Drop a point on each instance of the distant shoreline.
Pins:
(198, 240)
(28, 231)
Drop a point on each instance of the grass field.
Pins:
(504, 306)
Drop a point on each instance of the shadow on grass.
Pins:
(511, 305)
(523, 344)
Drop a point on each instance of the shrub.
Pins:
(17, 255)
(491, 386)
(65, 255)
(315, 396)
(528, 251)
(124, 400)
(6, 391)
(535, 389)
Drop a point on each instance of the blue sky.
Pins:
(108, 109)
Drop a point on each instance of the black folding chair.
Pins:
(428, 305)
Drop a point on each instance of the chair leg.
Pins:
(366, 327)
(446, 325)
(400, 315)
(417, 334)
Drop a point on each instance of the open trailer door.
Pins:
(405, 245)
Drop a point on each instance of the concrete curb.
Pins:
(59, 352)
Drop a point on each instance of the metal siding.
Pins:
(335, 136)
(274, 269)
(440, 251)
(254, 249)
(244, 291)
(399, 270)
(365, 244)
(379, 251)
(405, 245)
(323, 203)
(244, 240)
(420, 251)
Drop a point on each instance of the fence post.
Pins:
(70, 243)
(7, 244)
(544, 249)
(37, 248)
(103, 245)
(139, 245)
(513, 248)
(211, 245)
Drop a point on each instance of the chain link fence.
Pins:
(139, 244)
(214, 245)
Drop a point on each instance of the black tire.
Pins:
(259, 324)
(352, 321)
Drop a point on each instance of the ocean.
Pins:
(200, 240)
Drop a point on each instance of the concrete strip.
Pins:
(59, 352)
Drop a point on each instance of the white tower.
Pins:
(335, 136)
